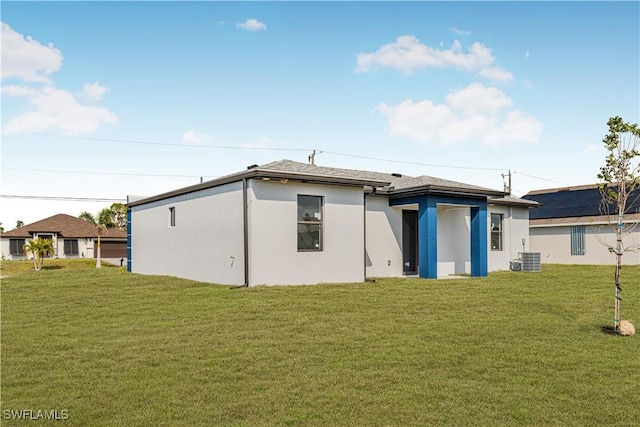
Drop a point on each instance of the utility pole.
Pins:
(507, 186)
(312, 158)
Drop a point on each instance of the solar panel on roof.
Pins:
(573, 203)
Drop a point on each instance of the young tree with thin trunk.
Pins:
(620, 191)
(40, 248)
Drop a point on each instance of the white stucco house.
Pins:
(72, 238)
(569, 227)
(294, 223)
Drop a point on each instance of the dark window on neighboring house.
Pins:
(496, 232)
(70, 247)
(172, 216)
(310, 223)
(48, 237)
(577, 240)
(15, 246)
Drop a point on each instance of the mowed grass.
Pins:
(116, 348)
(13, 267)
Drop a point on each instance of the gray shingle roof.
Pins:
(401, 182)
(391, 184)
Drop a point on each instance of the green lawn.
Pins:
(113, 348)
(11, 268)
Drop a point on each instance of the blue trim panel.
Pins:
(428, 232)
(479, 242)
(129, 240)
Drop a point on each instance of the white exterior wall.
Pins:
(85, 248)
(384, 238)
(206, 244)
(554, 245)
(273, 244)
(454, 240)
(515, 228)
(5, 249)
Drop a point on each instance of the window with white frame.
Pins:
(15, 246)
(496, 231)
(578, 240)
(310, 223)
(71, 246)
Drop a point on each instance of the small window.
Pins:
(578, 240)
(172, 216)
(15, 246)
(70, 247)
(310, 223)
(496, 232)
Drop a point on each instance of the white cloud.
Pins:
(475, 113)
(55, 109)
(262, 142)
(496, 74)
(252, 25)
(27, 59)
(460, 32)
(93, 91)
(526, 54)
(193, 137)
(515, 127)
(407, 54)
(14, 90)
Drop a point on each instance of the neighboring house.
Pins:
(569, 228)
(294, 223)
(72, 238)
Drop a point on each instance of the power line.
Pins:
(410, 163)
(228, 147)
(133, 141)
(543, 179)
(62, 198)
(171, 144)
(110, 173)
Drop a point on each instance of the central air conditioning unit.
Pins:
(530, 261)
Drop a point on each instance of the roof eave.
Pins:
(501, 202)
(266, 175)
(445, 191)
(320, 179)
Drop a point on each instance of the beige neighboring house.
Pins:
(72, 238)
(569, 228)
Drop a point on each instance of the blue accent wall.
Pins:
(129, 240)
(428, 231)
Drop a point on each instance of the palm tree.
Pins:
(40, 248)
(102, 221)
(101, 228)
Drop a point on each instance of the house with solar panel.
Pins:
(569, 226)
(295, 223)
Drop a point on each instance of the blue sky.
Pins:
(104, 100)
